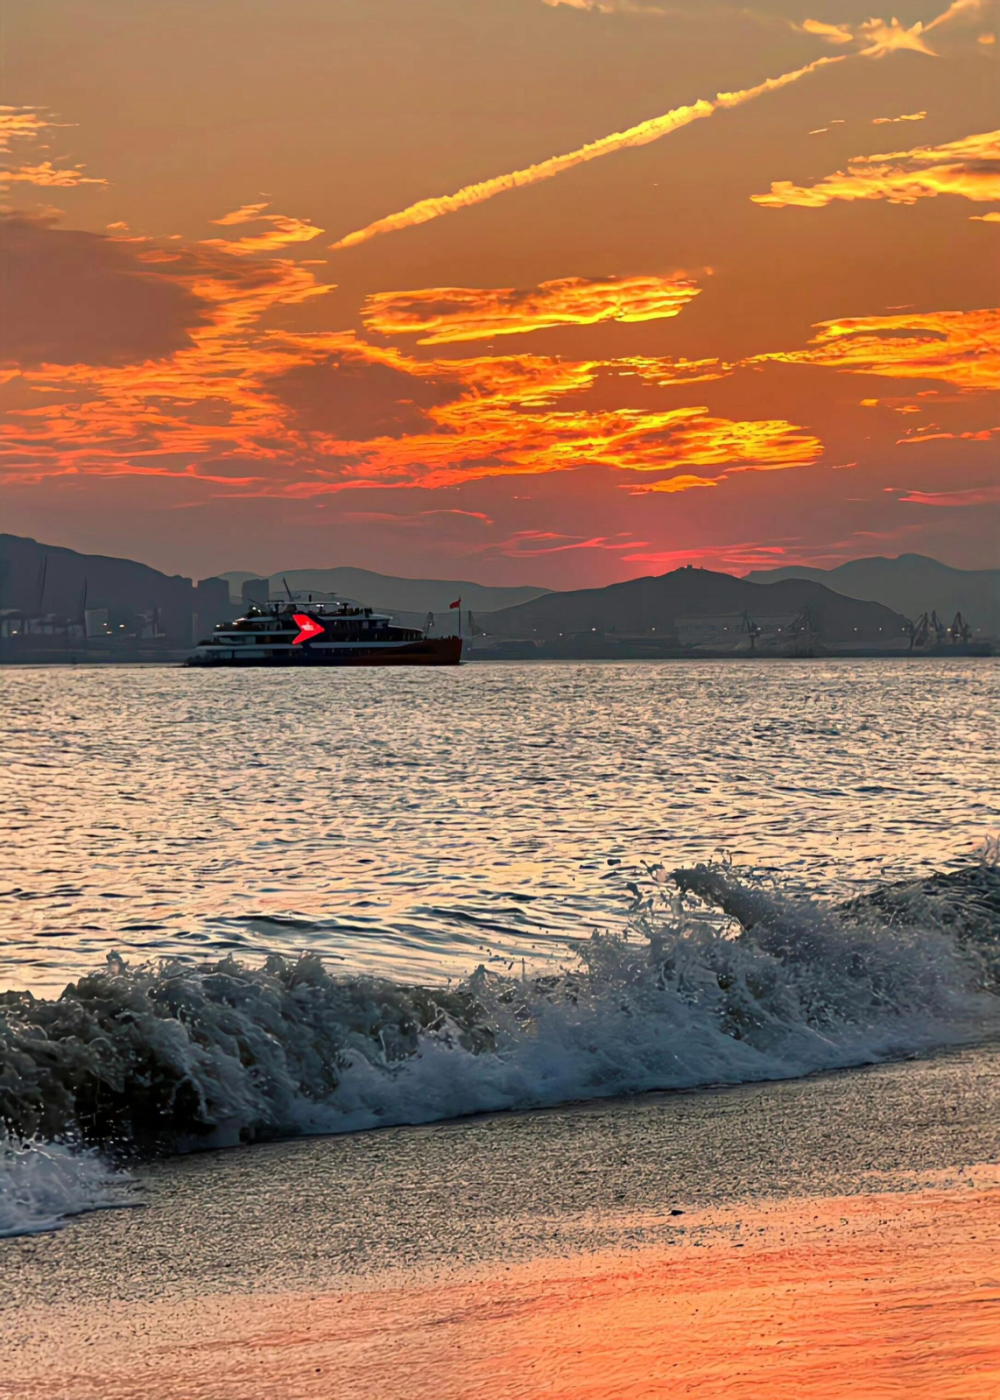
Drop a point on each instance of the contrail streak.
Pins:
(958, 7)
(641, 135)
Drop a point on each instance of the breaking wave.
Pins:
(718, 981)
(43, 1183)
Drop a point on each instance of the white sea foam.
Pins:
(43, 1183)
(168, 1056)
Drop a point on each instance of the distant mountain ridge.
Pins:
(657, 604)
(396, 593)
(47, 581)
(696, 606)
(911, 584)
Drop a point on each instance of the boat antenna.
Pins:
(287, 589)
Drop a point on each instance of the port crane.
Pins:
(750, 628)
(927, 631)
(930, 632)
(803, 633)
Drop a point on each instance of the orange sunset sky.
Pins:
(552, 291)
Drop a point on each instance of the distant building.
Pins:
(96, 622)
(211, 598)
(257, 590)
(11, 622)
(211, 605)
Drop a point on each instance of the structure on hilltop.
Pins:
(692, 610)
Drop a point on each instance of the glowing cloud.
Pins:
(972, 496)
(535, 543)
(961, 348)
(831, 33)
(878, 37)
(607, 7)
(49, 175)
(969, 167)
(930, 435)
(281, 232)
(475, 437)
(208, 396)
(881, 38)
(728, 558)
(24, 125)
(905, 117)
(640, 135)
(690, 437)
(21, 124)
(206, 369)
(245, 214)
(324, 410)
(442, 315)
(676, 483)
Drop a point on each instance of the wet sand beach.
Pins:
(832, 1236)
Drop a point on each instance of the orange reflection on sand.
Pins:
(874, 1296)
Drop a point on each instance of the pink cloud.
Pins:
(970, 496)
(532, 543)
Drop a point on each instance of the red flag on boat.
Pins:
(308, 628)
(456, 604)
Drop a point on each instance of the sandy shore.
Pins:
(879, 1295)
(469, 1261)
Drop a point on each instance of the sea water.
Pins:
(299, 902)
(417, 824)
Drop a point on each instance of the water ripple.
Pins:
(414, 824)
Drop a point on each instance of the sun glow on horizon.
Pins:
(655, 340)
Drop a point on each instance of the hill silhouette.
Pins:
(416, 595)
(656, 604)
(46, 580)
(911, 584)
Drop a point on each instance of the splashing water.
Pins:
(43, 1183)
(165, 1057)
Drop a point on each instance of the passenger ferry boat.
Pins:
(337, 633)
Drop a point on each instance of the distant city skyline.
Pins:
(558, 292)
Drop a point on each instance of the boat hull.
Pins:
(431, 651)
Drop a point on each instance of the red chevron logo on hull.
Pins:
(308, 628)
